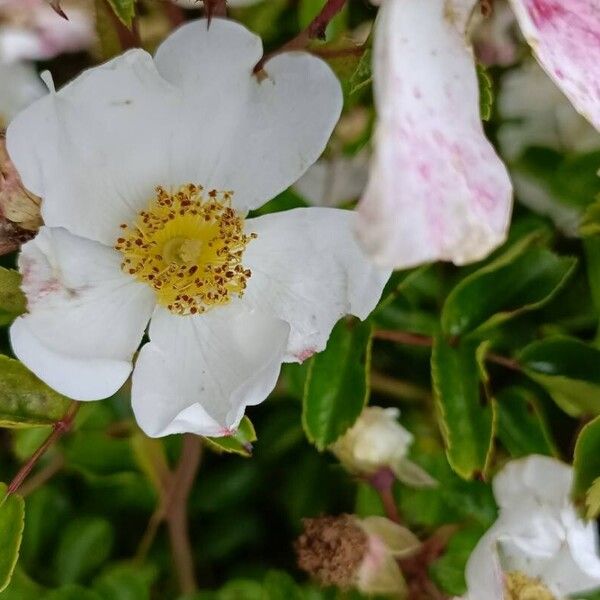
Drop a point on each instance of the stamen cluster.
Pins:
(188, 247)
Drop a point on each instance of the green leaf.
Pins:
(238, 443)
(281, 586)
(449, 570)
(363, 74)
(124, 9)
(84, 546)
(465, 416)
(521, 279)
(25, 401)
(568, 369)
(486, 93)
(12, 299)
(337, 384)
(21, 587)
(586, 465)
(123, 583)
(521, 425)
(12, 522)
(72, 592)
(592, 500)
(110, 45)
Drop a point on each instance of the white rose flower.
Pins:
(377, 441)
(120, 158)
(538, 548)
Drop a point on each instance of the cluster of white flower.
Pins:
(148, 168)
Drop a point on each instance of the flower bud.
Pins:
(377, 441)
(349, 552)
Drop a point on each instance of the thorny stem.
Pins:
(414, 339)
(315, 30)
(176, 512)
(59, 428)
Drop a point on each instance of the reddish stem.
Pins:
(315, 30)
(383, 482)
(58, 430)
(176, 512)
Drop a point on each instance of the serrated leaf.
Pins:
(521, 425)
(124, 9)
(465, 416)
(12, 299)
(522, 279)
(568, 369)
(486, 93)
(238, 443)
(12, 522)
(337, 383)
(25, 401)
(586, 466)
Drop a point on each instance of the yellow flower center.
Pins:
(519, 586)
(188, 247)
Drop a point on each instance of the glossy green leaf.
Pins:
(238, 443)
(521, 424)
(124, 9)
(12, 299)
(84, 546)
(586, 463)
(523, 278)
(12, 521)
(466, 417)
(337, 384)
(25, 401)
(568, 369)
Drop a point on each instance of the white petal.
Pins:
(96, 149)
(483, 572)
(308, 270)
(105, 141)
(19, 86)
(541, 478)
(199, 373)
(255, 136)
(565, 38)
(437, 190)
(85, 317)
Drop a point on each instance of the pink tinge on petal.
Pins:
(565, 38)
(437, 189)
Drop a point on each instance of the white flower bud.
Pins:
(377, 441)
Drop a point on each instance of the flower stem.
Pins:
(176, 512)
(383, 482)
(315, 30)
(59, 428)
(415, 339)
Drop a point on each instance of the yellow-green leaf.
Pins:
(25, 401)
(238, 443)
(12, 521)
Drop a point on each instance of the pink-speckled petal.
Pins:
(438, 190)
(565, 38)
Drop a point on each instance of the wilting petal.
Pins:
(565, 38)
(308, 270)
(85, 317)
(437, 190)
(199, 373)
